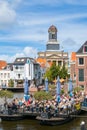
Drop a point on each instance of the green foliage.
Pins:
(48, 75)
(6, 93)
(62, 91)
(41, 95)
(63, 72)
(77, 89)
(56, 71)
(52, 86)
(11, 83)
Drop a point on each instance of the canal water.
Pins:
(34, 124)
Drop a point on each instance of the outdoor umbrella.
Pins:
(58, 89)
(46, 84)
(70, 88)
(26, 89)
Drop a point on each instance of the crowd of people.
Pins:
(30, 104)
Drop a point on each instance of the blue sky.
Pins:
(24, 26)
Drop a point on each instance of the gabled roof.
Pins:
(22, 60)
(81, 48)
(54, 56)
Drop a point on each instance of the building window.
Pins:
(81, 61)
(54, 62)
(85, 48)
(19, 76)
(8, 75)
(81, 74)
(59, 63)
(1, 75)
(4, 75)
(16, 67)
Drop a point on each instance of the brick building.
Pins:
(81, 66)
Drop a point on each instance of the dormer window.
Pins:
(85, 49)
(22, 59)
(18, 59)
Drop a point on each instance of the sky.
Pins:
(24, 26)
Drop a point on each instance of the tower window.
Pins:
(53, 36)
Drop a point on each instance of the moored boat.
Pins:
(13, 117)
(56, 119)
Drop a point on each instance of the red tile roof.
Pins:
(3, 64)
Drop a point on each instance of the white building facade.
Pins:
(24, 67)
(5, 76)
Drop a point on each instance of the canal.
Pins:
(34, 124)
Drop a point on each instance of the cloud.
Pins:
(40, 20)
(31, 24)
(67, 45)
(7, 15)
(26, 52)
(29, 51)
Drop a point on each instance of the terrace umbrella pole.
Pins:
(26, 89)
(70, 88)
(58, 89)
(46, 84)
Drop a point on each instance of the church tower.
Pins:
(52, 44)
(53, 53)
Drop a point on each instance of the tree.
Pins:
(54, 71)
(48, 75)
(11, 83)
(41, 95)
(6, 94)
(63, 72)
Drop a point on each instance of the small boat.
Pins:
(56, 119)
(13, 117)
(10, 115)
(53, 120)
